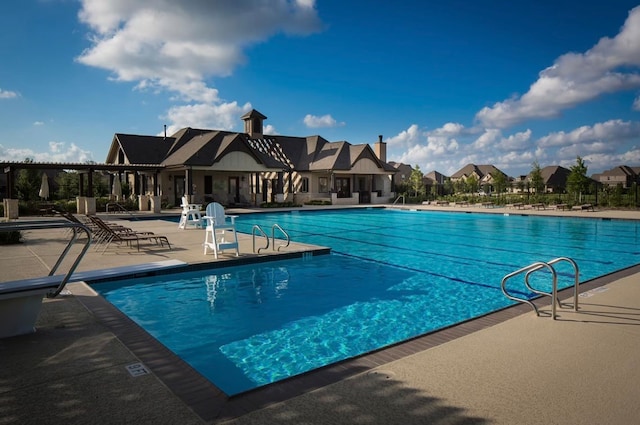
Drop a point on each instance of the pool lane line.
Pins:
(429, 273)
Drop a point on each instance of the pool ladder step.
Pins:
(548, 266)
(258, 231)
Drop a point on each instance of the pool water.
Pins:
(392, 275)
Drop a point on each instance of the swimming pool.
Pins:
(392, 275)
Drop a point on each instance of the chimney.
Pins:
(165, 131)
(380, 149)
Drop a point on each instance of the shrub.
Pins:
(8, 238)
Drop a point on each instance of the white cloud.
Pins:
(58, 152)
(449, 129)
(223, 116)
(636, 104)
(269, 129)
(613, 132)
(313, 121)
(517, 141)
(173, 44)
(610, 66)
(7, 94)
(38, 123)
(405, 138)
(490, 137)
(176, 45)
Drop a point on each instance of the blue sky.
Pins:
(446, 83)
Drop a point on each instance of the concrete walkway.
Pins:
(579, 369)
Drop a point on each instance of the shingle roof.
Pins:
(143, 149)
(199, 147)
(555, 176)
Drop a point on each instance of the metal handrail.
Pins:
(121, 208)
(576, 278)
(398, 198)
(258, 229)
(273, 237)
(554, 289)
(532, 267)
(55, 224)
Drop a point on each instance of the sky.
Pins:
(446, 83)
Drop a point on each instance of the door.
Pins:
(178, 189)
(234, 190)
(343, 187)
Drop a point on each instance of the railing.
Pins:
(116, 206)
(258, 230)
(55, 224)
(273, 237)
(540, 265)
(398, 198)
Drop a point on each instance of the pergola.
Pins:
(10, 169)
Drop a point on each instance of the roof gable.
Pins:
(139, 149)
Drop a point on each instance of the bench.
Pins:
(46, 209)
(561, 207)
(583, 207)
(538, 206)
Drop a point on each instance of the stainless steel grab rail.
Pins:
(55, 224)
(530, 268)
(258, 229)
(554, 288)
(273, 237)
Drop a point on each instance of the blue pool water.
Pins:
(392, 275)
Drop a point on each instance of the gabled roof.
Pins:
(253, 114)
(332, 156)
(621, 170)
(555, 176)
(183, 136)
(203, 148)
(139, 149)
(436, 176)
(206, 149)
(480, 170)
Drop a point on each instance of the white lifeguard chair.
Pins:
(220, 233)
(191, 216)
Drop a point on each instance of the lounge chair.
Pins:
(126, 235)
(220, 233)
(583, 207)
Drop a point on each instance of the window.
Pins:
(323, 184)
(305, 185)
(208, 184)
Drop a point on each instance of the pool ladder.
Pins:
(258, 231)
(541, 265)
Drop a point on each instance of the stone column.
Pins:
(90, 205)
(11, 210)
(81, 204)
(143, 202)
(155, 204)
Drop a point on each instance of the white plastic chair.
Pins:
(191, 215)
(220, 233)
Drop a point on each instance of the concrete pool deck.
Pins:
(510, 367)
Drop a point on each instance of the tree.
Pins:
(500, 182)
(28, 183)
(537, 181)
(68, 185)
(472, 184)
(415, 180)
(578, 182)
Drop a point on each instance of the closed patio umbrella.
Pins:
(44, 187)
(116, 188)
